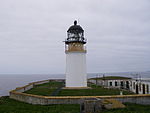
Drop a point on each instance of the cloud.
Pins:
(32, 31)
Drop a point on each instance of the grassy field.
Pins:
(45, 89)
(95, 91)
(11, 106)
(48, 88)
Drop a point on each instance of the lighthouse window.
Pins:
(80, 34)
(75, 35)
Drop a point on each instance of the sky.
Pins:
(32, 31)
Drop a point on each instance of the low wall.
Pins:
(24, 88)
(138, 99)
(18, 94)
(31, 85)
(45, 100)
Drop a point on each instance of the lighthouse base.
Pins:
(76, 69)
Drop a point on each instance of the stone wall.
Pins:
(18, 94)
(45, 100)
(24, 88)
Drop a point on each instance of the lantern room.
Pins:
(75, 39)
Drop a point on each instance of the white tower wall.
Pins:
(76, 69)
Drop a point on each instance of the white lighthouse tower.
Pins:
(76, 76)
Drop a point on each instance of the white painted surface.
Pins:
(140, 86)
(76, 75)
(132, 85)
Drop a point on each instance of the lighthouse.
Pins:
(75, 49)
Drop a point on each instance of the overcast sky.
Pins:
(32, 31)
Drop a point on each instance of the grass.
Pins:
(45, 89)
(95, 91)
(48, 88)
(131, 108)
(8, 105)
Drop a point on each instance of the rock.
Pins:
(112, 104)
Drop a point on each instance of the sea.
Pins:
(9, 82)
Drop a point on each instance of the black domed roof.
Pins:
(75, 28)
